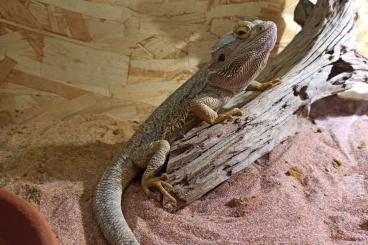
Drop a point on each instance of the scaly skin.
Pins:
(237, 57)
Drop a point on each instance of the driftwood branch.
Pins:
(319, 62)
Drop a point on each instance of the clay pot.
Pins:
(21, 223)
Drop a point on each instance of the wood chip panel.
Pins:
(127, 55)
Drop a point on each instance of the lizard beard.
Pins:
(236, 80)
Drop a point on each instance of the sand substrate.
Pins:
(311, 189)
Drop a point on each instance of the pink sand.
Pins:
(57, 169)
(328, 205)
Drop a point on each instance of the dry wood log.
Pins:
(320, 61)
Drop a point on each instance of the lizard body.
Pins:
(237, 57)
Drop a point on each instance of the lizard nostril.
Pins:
(241, 33)
(221, 57)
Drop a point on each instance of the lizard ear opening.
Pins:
(221, 58)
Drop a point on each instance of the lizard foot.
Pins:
(273, 82)
(228, 115)
(270, 84)
(257, 86)
(159, 183)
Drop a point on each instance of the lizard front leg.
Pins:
(204, 108)
(151, 157)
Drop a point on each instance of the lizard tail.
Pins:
(107, 203)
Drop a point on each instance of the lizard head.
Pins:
(239, 56)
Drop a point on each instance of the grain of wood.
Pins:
(6, 66)
(97, 10)
(42, 84)
(77, 26)
(57, 21)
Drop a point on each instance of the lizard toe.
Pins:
(276, 81)
(164, 176)
(236, 112)
(160, 184)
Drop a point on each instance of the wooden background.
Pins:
(120, 58)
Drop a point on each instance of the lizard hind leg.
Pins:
(151, 157)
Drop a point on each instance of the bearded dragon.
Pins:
(237, 58)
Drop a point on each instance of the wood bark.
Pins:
(320, 61)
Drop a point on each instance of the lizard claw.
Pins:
(271, 83)
(159, 183)
(275, 81)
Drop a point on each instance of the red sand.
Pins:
(57, 170)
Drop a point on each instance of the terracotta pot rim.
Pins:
(20, 222)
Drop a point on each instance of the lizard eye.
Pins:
(221, 57)
(242, 32)
(261, 28)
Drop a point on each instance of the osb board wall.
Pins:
(120, 58)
